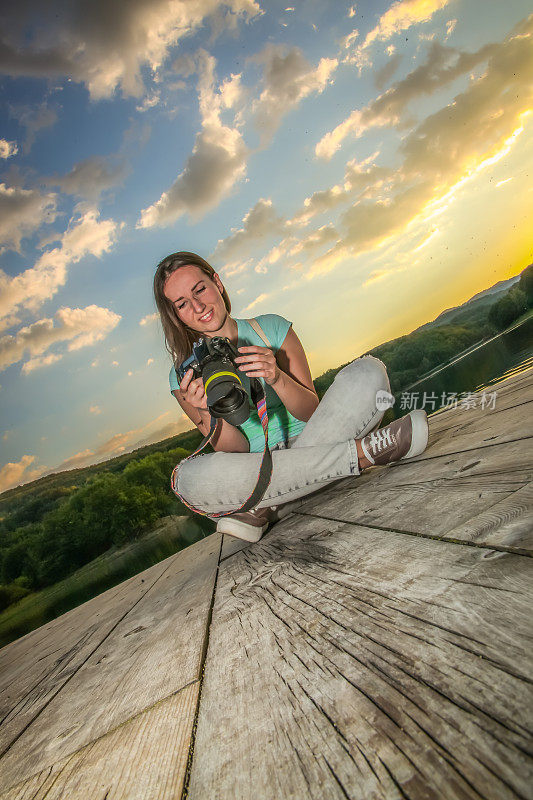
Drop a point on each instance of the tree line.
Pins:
(50, 536)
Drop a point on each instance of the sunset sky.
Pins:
(354, 167)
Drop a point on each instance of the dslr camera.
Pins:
(213, 361)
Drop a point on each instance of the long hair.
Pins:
(179, 338)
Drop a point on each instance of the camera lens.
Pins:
(232, 405)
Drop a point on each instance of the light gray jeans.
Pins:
(322, 453)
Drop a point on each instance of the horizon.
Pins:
(358, 172)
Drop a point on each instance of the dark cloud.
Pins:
(261, 222)
(89, 178)
(104, 43)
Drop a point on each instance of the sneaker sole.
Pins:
(240, 530)
(419, 439)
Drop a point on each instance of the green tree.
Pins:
(525, 284)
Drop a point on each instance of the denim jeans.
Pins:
(322, 453)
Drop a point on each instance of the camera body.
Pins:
(212, 359)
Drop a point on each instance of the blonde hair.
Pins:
(179, 338)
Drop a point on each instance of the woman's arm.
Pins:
(287, 372)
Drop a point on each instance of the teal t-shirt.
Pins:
(282, 426)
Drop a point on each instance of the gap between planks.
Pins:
(448, 540)
(398, 464)
(201, 673)
(62, 686)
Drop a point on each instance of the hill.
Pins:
(472, 310)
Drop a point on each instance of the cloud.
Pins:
(259, 223)
(449, 147)
(14, 473)
(149, 319)
(360, 177)
(259, 299)
(218, 159)
(34, 119)
(22, 211)
(8, 149)
(442, 66)
(154, 431)
(85, 235)
(106, 46)
(382, 76)
(90, 177)
(399, 17)
(79, 327)
(287, 79)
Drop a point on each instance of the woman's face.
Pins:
(197, 299)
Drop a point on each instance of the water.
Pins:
(475, 370)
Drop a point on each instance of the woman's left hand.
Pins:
(259, 362)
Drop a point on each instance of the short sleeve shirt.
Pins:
(282, 425)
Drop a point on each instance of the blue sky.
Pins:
(355, 167)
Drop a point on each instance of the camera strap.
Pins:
(265, 470)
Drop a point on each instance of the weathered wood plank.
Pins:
(510, 425)
(508, 523)
(34, 668)
(143, 759)
(431, 497)
(154, 651)
(510, 394)
(365, 664)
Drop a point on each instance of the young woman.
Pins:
(312, 444)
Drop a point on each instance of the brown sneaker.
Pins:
(403, 438)
(247, 525)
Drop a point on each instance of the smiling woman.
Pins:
(312, 445)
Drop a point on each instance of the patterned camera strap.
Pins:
(265, 470)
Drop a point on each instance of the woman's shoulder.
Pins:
(275, 327)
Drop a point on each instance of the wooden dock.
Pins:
(375, 644)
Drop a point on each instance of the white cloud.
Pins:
(14, 473)
(150, 101)
(287, 79)
(401, 15)
(149, 319)
(107, 51)
(218, 159)
(86, 235)
(259, 299)
(23, 211)
(76, 327)
(8, 149)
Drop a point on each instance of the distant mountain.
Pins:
(501, 286)
(476, 306)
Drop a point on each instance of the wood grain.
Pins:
(155, 650)
(143, 759)
(360, 664)
(34, 668)
(434, 496)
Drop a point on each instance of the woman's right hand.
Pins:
(192, 391)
